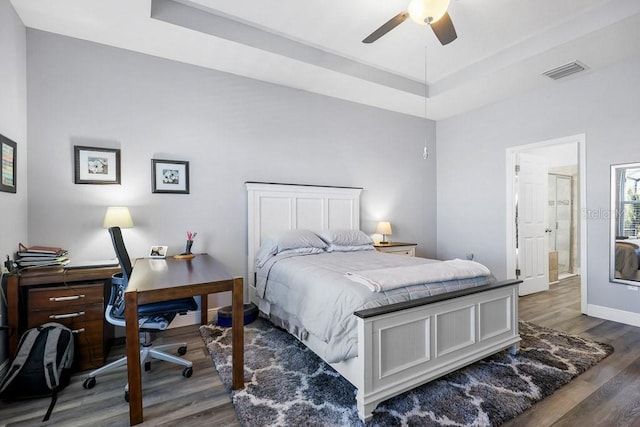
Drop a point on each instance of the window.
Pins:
(629, 207)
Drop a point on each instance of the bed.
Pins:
(628, 259)
(398, 345)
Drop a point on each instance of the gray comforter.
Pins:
(309, 294)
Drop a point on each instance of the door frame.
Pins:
(580, 140)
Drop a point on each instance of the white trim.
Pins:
(580, 140)
(191, 318)
(614, 315)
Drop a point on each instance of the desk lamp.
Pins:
(118, 217)
(384, 228)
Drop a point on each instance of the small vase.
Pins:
(187, 249)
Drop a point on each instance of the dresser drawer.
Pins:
(65, 296)
(89, 347)
(73, 317)
(406, 250)
(81, 309)
(403, 251)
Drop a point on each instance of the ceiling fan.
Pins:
(424, 12)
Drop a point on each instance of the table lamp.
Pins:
(118, 216)
(384, 228)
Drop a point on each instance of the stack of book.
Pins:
(41, 257)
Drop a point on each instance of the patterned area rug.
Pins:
(288, 385)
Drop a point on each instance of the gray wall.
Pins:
(604, 105)
(13, 125)
(231, 129)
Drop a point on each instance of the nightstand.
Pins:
(398, 248)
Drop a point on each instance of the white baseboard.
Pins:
(620, 316)
(192, 318)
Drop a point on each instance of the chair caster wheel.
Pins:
(89, 383)
(182, 350)
(147, 366)
(187, 372)
(126, 396)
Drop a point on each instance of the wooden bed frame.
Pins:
(402, 345)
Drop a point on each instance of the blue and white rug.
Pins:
(288, 385)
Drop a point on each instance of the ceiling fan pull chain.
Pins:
(425, 152)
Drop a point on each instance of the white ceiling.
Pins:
(503, 46)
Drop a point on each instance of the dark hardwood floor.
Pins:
(607, 394)
(168, 398)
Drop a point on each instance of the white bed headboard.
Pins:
(273, 208)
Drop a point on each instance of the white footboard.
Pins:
(404, 345)
(399, 350)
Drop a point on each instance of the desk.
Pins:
(154, 280)
(34, 293)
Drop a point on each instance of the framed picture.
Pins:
(95, 165)
(158, 251)
(8, 173)
(169, 176)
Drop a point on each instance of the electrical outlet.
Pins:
(4, 270)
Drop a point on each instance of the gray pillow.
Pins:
(295, 239)
(345, 237)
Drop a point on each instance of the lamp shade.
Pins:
(117, 217)
(384, 228)
(427, 11)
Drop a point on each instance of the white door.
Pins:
(532, 241)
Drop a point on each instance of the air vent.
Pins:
(565, 70)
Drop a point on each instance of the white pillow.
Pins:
(268, 249)
(346, 237)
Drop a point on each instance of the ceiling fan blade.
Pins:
(444, 30)
(386, 27)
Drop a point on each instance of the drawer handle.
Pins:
(77, 331)
(66, 316)
(71, 298)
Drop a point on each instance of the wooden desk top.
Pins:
(151, 275)
(37, 276)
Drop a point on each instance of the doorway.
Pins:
(557, 152)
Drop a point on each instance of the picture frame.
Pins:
(169, 176)
(8, 167)
(96, 165)
(158, 251)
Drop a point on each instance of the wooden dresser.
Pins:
(75, 298)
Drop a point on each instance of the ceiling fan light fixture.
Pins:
(425, 12)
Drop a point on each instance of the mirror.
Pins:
(624, 264)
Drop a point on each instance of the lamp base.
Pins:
(384, 243)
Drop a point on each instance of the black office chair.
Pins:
(152, 317)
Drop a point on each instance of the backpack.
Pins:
(42, 365)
